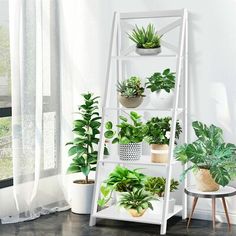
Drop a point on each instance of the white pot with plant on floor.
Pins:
(158, 137)
(162, 89)
(148, 42)
(84, 154)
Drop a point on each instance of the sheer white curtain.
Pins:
(35, 72)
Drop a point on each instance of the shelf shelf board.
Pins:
(142, 109)
(115, 213)
(137, 57)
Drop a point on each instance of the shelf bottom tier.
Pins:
(115, 213)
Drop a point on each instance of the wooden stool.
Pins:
(221, 193)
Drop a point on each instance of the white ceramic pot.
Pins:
(131, 151)
(158, 205)
(162, 99)
(81, 197)
(148, 51)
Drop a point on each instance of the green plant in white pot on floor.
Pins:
(83, 150)
(147, 40)
(131, 92)
(130, 136)
(162, 87)
(212, 160)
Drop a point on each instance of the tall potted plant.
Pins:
(131, 92)
(158, 136)
(213, 161)
(83, 150)
(162, 86)
(147, 40)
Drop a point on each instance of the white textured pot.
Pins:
(81, 197)
(131, 151)
(162, 99)
(158, 205)
(148, 51)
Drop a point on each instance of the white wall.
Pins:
(212, 28)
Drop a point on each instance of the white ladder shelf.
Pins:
(181, 56)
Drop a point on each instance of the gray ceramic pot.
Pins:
(148, 51)
(130, 102)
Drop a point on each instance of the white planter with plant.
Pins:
(162, 86)
(147, 40)
(129, 136)
(84, 153)
(213, 161)
(131, 92)
(158, 136)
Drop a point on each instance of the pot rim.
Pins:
(77, 180)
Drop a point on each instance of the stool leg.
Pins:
(193, 207)
(226, 212)
(214, 212)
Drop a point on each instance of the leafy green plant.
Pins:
(131, 87)
(158, 130)
(128, 132)
(138, 200)
(86, 130)
(156, 185)
(209, 152)
(164, 80)
(121, 179)
(145, 38)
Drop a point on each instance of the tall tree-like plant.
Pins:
(83, 147)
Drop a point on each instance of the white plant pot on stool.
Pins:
(81, 197)
(161, 99)
(131, 151)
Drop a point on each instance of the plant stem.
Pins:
(86, 180)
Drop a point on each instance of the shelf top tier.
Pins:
(137, 57)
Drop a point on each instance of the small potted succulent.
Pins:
(147, 40)
(131, 92)
(130, 136)
(83, 150)
(136, 202)
(158, 136)
(213, 161)
(161, 86)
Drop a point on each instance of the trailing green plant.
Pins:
(145, 38)
(121, 179)
(158, 130)
(129, 132)
(156, 185)
(138, 200)
(164, 80)
(83, 147)
(131, 87)
(209, 152)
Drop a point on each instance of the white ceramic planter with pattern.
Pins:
(131, 151)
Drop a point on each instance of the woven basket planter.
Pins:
(131, 151)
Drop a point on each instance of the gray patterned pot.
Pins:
(130, 102)
(131, 151)
(148, 51)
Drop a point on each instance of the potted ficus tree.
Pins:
(212, 160)
(161, 86)
(158, 136)
(131, 92)
(147, 40)
(130, 136)
(83, 150)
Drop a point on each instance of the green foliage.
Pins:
(4, 52)
(164, 80)
(158, 130)
(210, 152)
(5, 126)
(145, 38)
(156, 185)
(86, 130)
(131, 87)
(128, 132)
(138, 200)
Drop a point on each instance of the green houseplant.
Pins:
(131, 92)
(84, 154)
(158, 136)
(161, 86)
(130, 136)
(147, 40)
(213, 160)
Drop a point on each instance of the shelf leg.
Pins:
(193, 208)
(92, 221)
(214, 213)
(226, 213)
(163, 228)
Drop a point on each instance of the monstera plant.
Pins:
(213, 160)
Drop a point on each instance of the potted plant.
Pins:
(120, 180)
(158, 136)
(136, 202)
(129, 136)
(213, 161)
(131, 92)
(147, 40)
(161, 86)
(84, 153)
(156, 186)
